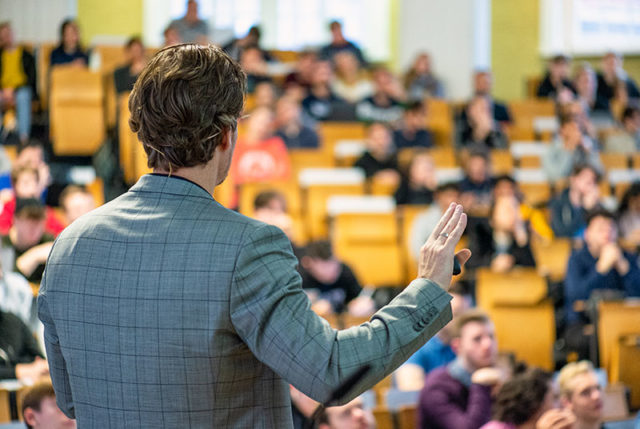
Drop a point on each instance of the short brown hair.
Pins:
(18, 170)
(29, 208)
(35, 394)
(469, 316)
(182, 103)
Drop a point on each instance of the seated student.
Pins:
(171, 36)
(125, 77)
(585, 85)
(379, 160)
(599, 265)
(420, 81)
(69, 51)
(412, 131)
(28, 240)
(299, 80)
(259, 156)
(482, 87)
(39, 408)
(502, 241)
(437, 351)
(556, 83)
(425, 222)
(26, 184)
(340, 44)
(348, 416)
(569, 208)
(76, 201)
(290, 126)
(252, 39)
(417, 186)
(385, 103)
(576, 110)
(477, 184)
(265, 95)
(614, 83)
(190, 27)
(459, 395)
(522, 400)
(16, 295)
(478, 128)
(505, 185)
(255, 66)
(581, 394)
(330, 283)
(569, 148)
(20, 357)
(319, 102)
(627, 139)
(628, 216)
(17, 80)
(270, 207)
(351, 83)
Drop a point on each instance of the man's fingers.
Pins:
(463, 256)
(455, 235)
(453, 221)
(443, 221)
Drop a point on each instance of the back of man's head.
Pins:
(184, 103)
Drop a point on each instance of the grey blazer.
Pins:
(163, 309)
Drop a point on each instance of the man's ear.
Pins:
(29, 417)
(226, 140)
(455, 344)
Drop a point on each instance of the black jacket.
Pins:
(17, 345)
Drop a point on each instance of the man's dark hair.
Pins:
(561, 58)
(29, 208)
(334, 23)
(183, 102)
(449, 186)
(629, 112)
(264, 198)
(35, 394)
(579, 168)
(31, 143)
(255, 32)
(18, 170)
(415, 106)
(67, 22)
(599, 212)
(132, 41)
(521, 397)
(320, 249)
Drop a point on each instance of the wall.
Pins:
(514, 45)
(455, 33)
(36, 20)
(119, 18)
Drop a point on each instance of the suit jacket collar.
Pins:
(170, 185)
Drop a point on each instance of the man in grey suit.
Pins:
(164, 309)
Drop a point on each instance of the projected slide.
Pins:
(602, 25)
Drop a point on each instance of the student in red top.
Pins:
(25, 181)
(259, 156)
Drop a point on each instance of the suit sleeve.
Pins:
(57, 364)
(272, 315)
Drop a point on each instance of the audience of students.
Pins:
(614, 83)
(556, 83)
(340, 44)
(627, 138)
